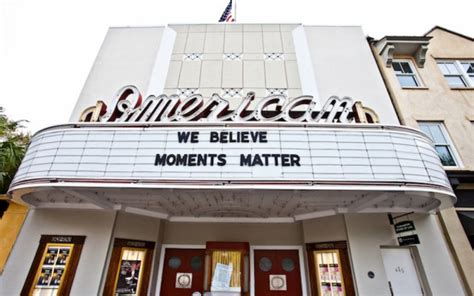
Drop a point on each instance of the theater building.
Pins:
(239, 159)
(431, 81)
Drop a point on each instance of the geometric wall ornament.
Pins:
(184, 280)
(278, 282)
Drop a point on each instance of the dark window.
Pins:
(196, 263)
(265, 264)
(467, 221)
(174, 262)
(3, 207)
(287, 264)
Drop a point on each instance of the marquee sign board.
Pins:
(283, 154)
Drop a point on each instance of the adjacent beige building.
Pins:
(431, 81)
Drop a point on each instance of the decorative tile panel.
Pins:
(277, 91)
(229, 93)
(192, 57)
(232, 57)
(183, 93)
(273, 56)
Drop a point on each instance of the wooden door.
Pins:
(277, 273)
(183, 272)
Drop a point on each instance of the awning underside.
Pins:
(293, 204)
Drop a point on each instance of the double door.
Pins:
(276, 273)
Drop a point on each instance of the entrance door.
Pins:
(401, 271)
(183, 272)
(277, 273)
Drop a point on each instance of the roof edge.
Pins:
(449, 31)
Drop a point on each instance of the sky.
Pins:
(48, 47)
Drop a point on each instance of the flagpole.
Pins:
(235, 10)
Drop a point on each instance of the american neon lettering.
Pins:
(128, 106)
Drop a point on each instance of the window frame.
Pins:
(449, 143)
(465, 77)
(416, 76)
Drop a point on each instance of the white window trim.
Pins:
(415, 73)
(449, 142)
(465, 77)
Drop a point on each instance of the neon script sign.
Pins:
(129, 106)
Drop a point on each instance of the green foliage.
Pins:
(13, 143)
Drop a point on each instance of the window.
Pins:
(468, 68)
(467, 220)
(3, 207)
(54, 265)
(458, 74)
(226, 265)
(229, 267)
(443, 145)
(465, 207)
(404, 70)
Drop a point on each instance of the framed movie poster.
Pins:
(129, 268)
(57, 275)
(129, 274)
(50, 257)
(329, 269)
(54, 265)
(44, 277)
(63, 256)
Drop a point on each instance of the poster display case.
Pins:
(129, 276)
(54, 265)
(129, 268)
(53, 268)
(330, 271)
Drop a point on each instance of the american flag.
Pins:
(227, 14)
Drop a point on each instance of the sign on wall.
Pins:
(408, 240)
(129, 106)
(404, 226)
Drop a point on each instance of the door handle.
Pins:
(390, 287)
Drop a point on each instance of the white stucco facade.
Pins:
(97, 180)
